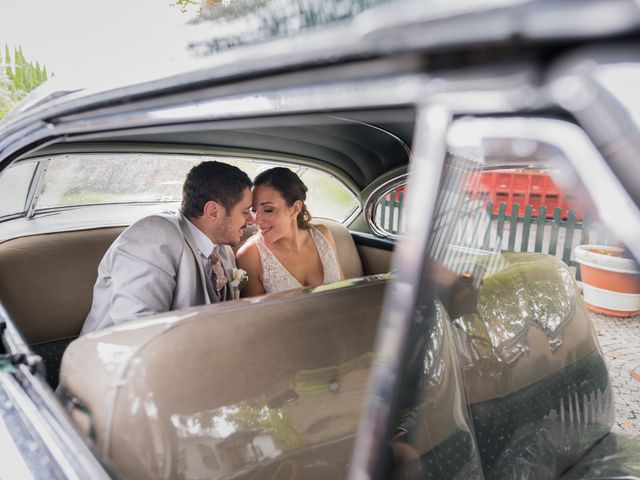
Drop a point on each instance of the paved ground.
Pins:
(620, 341)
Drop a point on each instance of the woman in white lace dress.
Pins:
(288, 251)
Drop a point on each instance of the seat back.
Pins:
(536, 381)
(46, 281)
(265, 387)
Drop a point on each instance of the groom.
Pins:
(175, 260)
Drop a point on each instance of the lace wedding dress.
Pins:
(276, 278)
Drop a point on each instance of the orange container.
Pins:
(611, 283)
(533, 188)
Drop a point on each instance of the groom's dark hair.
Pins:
(215, 181)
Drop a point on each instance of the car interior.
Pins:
(62, 264)
(150, 394)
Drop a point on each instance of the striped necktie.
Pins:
(218, 278)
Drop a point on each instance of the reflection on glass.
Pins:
(243, 22)
(500, 264)
(314, 407)
(113, 354)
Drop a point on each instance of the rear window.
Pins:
(90, 179)
(14, 188)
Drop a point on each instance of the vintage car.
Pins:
(445, 353)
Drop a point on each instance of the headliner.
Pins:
(360, 150)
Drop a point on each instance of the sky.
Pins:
(90, 41)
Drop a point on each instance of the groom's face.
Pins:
(235, 220)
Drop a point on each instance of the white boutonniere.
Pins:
(239, 279)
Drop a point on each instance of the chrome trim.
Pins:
(18, 137)
(573, 143)
(60, 426)
(48, 418)
(26, 407)
(405, 147)
(13, 462)
(429, 153)
(75, 459)
(349, 220)
(382, 92)
(605, 105)
(35, 188)
(13, 340)
(374, 198)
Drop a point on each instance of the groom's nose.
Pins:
(249, 219)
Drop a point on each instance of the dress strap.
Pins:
(327, 255)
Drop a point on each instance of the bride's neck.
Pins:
(294, 241)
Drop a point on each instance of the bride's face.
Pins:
(273, 217)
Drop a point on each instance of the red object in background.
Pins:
(396, 194)
(526, 188)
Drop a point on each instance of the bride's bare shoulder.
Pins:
(248, 248)
(323, 229)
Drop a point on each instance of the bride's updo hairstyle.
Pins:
(289, 185)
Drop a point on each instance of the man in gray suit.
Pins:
(168, 261)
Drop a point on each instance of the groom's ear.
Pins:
(213, 210)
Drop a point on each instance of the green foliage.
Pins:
(184, 5)
(276, 421)
(17, 77)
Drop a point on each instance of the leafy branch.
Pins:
(17, 78)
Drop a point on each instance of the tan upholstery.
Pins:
(155, 388)
(347, 251)
(488, 381)
(374, 260)
(524, 348)
(46, 281)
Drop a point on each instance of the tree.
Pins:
(275, 421)
(17, 78)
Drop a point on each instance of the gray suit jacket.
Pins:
(153, 267)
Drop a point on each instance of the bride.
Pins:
(288, 251)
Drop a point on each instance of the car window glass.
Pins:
(86, 179)
(388, 212)
(510, 238)
(499, 191)
(14, 186)
(326, 197)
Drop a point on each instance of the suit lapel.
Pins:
(205, 279)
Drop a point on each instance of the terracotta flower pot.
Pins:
(611, 283)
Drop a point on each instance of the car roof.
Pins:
(386, 31)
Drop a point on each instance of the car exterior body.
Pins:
(466, 361)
